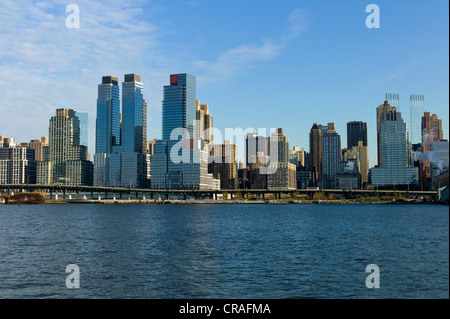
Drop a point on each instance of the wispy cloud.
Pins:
(230, 62)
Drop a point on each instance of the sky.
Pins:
(259, 64)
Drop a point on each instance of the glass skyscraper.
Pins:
(84, 127)
(121, 141)
(107, 132)
(179, 119)
(394, 151)
(356, 131)
(331, 154)
(416, 113)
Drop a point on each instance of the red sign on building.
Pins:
(174, 79)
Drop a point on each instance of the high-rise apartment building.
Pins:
(416, 113)
(363, 161)
(223, 166)
(64, 160)
(356, 131)
(281, 173)
(331, 154)
(431, 128)
(38, 146)
(204, 122)
(394, 151)
(254, 145)
(17, 163)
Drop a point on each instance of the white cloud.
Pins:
(231, 62)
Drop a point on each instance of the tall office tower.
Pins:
(134, 115)
(84, 127)
(382, 111)
(129, 162)
(204, 122)
(356, 131)
(394, 154)
(17, 164)
(223, 164)
(254, 145)
(363, 161)
(393, 100)
(64, 160)
(331, 154)
(416, 113)
(170, 169)
(281, 173)
(315, 150)
(107, 128)
(107, 132)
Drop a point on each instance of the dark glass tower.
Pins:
(356, 131)
(107, 130)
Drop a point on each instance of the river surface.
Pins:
(224, 251)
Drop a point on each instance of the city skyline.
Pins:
(283, 57)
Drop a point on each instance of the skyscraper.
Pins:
(363, 161)
(394, 154)
(331, 154)
(107, 132)
(282, 173)
(65, 160)
(382, 111)
(204, 122)
(121, 158)
(416, 113)
(254, 145)
(431, 128)
(315, 150)
(179, 161)
(84, 127)
(356, 131)
(224, 164)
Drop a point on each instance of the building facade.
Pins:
(121, 154)
(281, 173)
(315, 150)
(331, 154)
(356, 131)
(180, 162)
(17, 163)
(416, 112)
(64, 159)
(394, 151)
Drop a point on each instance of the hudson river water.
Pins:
(224, 251)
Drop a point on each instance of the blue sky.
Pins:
(260, 64)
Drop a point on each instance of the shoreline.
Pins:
(232, 202)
